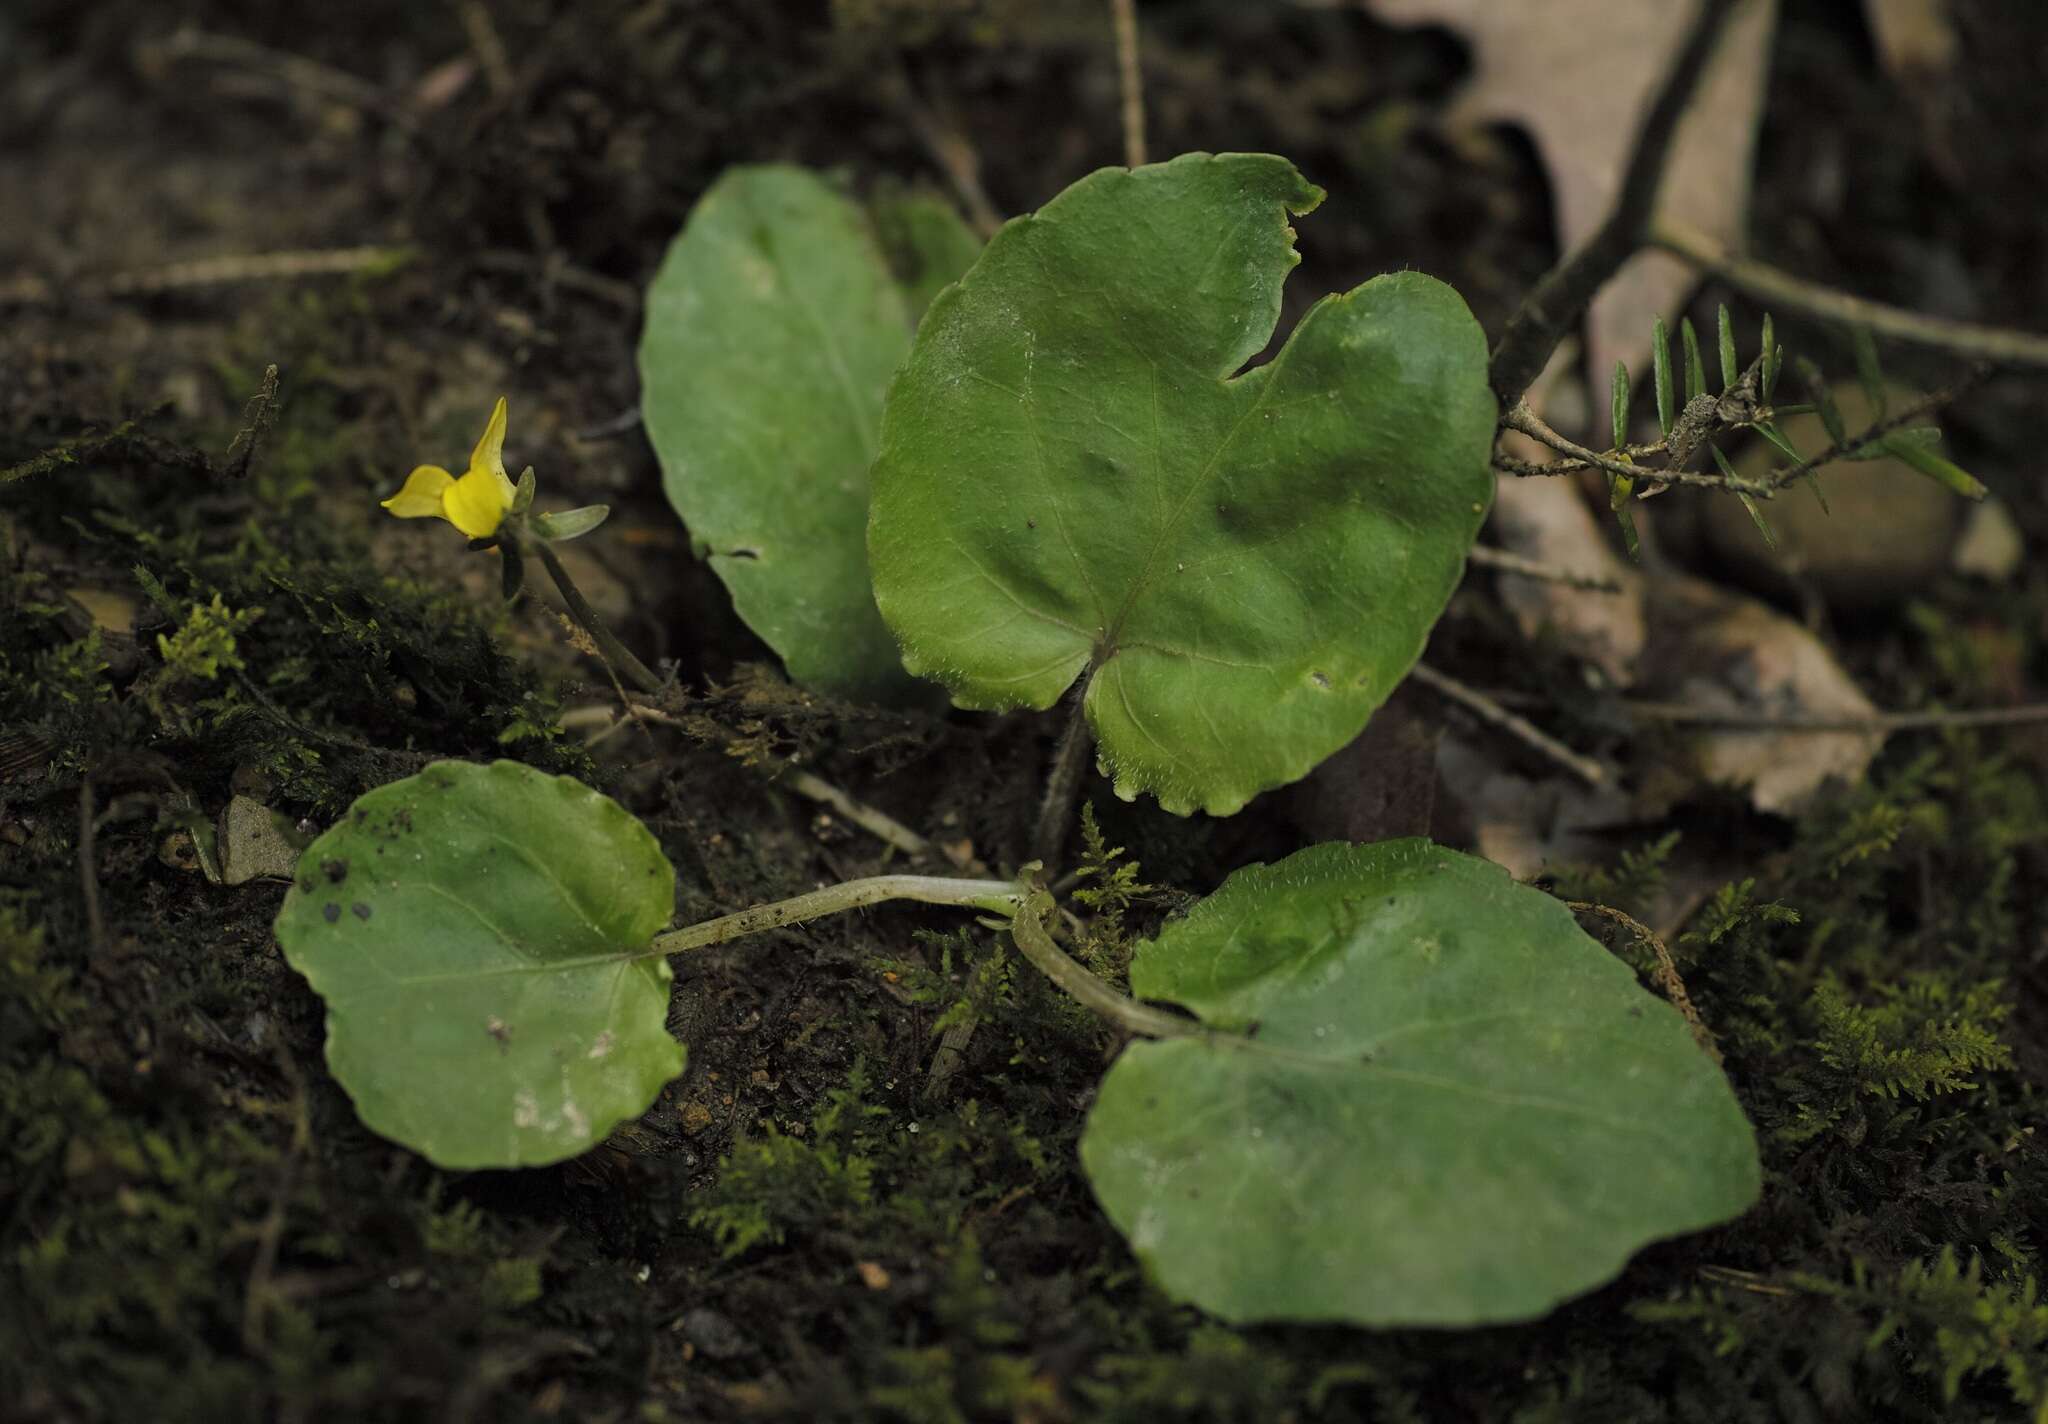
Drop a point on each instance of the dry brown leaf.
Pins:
(1916, 42)
(1546, 520)
(1713, 650)
(252, 844)
(1579, 75)
(1527, 824)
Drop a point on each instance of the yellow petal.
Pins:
(421, 497)
(475, 504)
(490, 450)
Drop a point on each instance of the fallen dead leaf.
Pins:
(1718, 651)
(253, 844)
(1578, 75)
(1916, 43)
(1528, 824)
(1546, 520)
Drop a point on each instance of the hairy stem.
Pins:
(1063, 782)
(998, 897)
(1520, 418)
(1549, 310)
(615, 652)
(1034, 942)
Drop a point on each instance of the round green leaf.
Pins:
(480, 935)
(1438, 1101)
(1073, 484)
(772, 329)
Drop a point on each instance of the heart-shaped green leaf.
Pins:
(480, 935)
(771, 331)
(1073, 484)
(1435, 1101)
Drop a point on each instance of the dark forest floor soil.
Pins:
(193, 1225)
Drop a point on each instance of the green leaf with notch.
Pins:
(480, 935)
(772, 330)
(1431, 1100)
(1078, 480)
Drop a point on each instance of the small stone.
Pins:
(1887, 528)
(714, 1336)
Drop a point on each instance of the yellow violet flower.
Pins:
(477, 502)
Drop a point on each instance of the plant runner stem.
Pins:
(998, 897)
(1034, 942)
(1063, 782)
(586, 617)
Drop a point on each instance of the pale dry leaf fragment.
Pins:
(1578, 75)
(1916, 41)
(1528, 825)
(253, 844)
(1546, 520)
(1990, 546)
(1713, 650)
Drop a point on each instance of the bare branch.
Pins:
(1503, 562)
(1557, 301)
(1525, 420)
(1521, 728)
(1780, 288)
(1130, 79)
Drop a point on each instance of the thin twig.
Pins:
(1525, 420)
(294, 74)
(1503, 562)
(1678, 714)
(1665, 976)
(1897, 420)
(29, 290)
(879, 824)
(951, 151)
(1130, 79)
(1521, 728)
(1557, 301)
(1780, 288)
